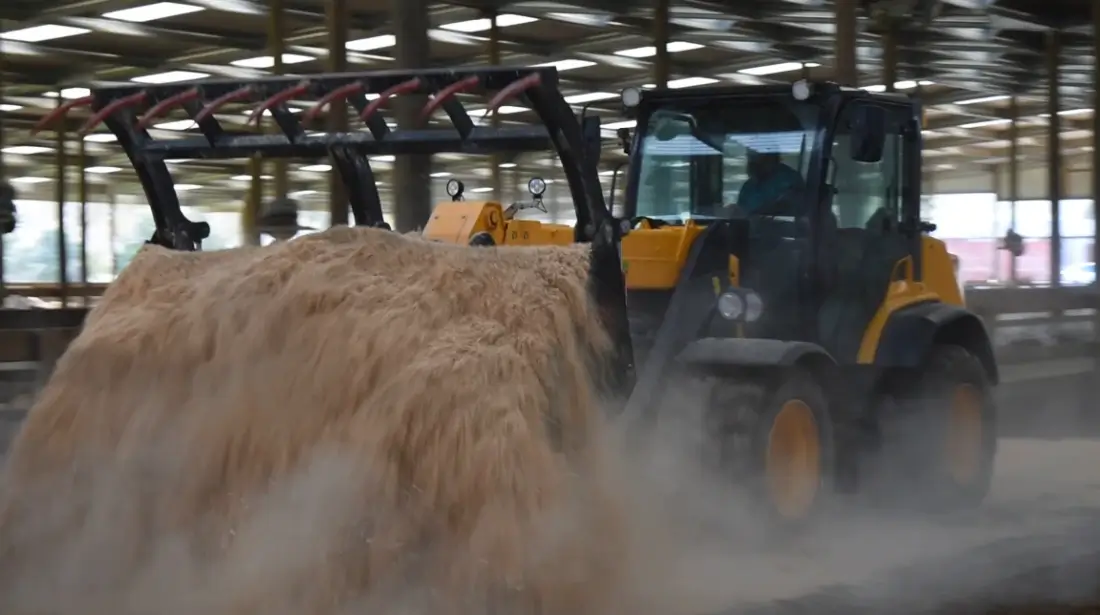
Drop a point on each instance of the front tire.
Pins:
(940, 439)
(787, 451)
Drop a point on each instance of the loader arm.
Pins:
(128, 110)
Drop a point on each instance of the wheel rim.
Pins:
(964, 435)
(793, 462)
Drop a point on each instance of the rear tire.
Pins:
(786, 452)
(940, 438)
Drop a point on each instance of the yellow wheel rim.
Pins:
(793, 461)
(964, 435)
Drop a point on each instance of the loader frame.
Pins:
(129, 110)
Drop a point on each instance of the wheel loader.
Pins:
(830, 328)
(771, 253)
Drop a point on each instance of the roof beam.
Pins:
(1035, 137)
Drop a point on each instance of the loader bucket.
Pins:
(128, 111)
(347, 419)
(342, 417)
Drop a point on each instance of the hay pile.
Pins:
(354, 420)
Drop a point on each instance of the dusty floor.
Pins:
(1044, 509)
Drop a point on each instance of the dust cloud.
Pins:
(701, 548)
(358, 422)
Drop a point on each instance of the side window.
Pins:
(665, 187)
(867, 192)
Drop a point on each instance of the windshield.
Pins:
(725, 158)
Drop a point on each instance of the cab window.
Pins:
(697, 158)
(866, 189)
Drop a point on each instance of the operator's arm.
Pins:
(792, 179)
(781, 192)
(748, 197)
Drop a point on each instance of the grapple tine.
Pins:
(401, 88)
(126, 101)
(278, 99)
(235, 96)
(60, 112)
(559, 130)
(160, 109)
(513, 90)
(339, 93)
(447, 92)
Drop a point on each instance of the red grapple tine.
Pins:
(339, 93)
(107, 110)
(277, 99)
(447, 92)
(223, 100)
(60, 111)
(161, 108)
(401, 88)
(512, 90)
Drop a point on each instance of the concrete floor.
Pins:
(1045, 505)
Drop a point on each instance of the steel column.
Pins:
(82, 188)
(1013, 175)
(513, 180)
(662, 63)
(890, 55)
(1054, 153)
(112, 227)
(929, 178)
(62, 256)
(1096, 136)
(1088, 410)
(494, 60)
(3, 176)
(251, 213)
(412, 181)
(927, 173)
(336, 15)
(997, 173)
(276, 32)
(844, 52)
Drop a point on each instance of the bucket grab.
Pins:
(128, 111)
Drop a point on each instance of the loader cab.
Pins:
(813, 190)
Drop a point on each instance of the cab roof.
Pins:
(825, 88)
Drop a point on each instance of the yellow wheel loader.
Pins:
(771, 251)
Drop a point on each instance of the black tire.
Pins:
(483, 239)
(933, 461)
(748, 447)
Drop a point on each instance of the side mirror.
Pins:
(624, 139)
(868, 127)
(668, 125)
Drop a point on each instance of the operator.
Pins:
(770, 180)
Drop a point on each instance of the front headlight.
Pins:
(743, 305)
(731, 306)
(754, 306)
